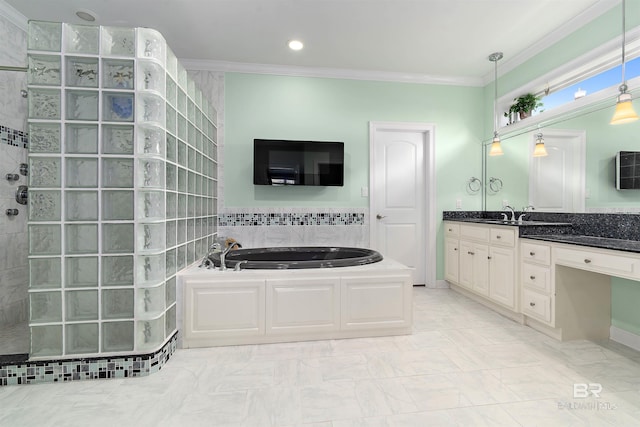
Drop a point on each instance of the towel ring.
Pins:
(473, 185)
(495, 184)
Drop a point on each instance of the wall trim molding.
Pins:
(15, 17)
(509, 64)
(624, 337)
(333, 73)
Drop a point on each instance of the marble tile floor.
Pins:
(464, 365)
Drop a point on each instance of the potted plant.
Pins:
(524, 105)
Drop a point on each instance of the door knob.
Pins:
(380, 216)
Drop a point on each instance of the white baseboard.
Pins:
(439, 284)
(624, 337)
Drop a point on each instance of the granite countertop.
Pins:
(509, 223)
(591, 241)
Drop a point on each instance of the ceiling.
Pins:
(447, 40)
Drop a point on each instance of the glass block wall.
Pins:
(122, 188)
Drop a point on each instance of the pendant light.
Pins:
(624, 108)
(539, 150)
(496, 149)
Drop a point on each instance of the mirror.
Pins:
(527, 180)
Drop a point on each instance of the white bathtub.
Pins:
(218, 308)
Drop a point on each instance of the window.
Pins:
(603, 80)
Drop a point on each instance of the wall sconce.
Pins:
(496, 149)
(624, 108)
(539, 150)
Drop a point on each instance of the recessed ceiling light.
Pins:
(86, 15)
(295, 45)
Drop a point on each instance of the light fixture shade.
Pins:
(496, 149)
(539, 150)
(624, 110)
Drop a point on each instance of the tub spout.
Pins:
(238, 265)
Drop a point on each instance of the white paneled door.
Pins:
(399, 220)
(562, 170)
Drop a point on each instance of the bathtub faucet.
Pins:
(206, 261)
(224, 253)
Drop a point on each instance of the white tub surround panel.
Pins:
(266, 306)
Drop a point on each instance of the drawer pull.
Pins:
(450, 229)
(471, 253)
(532, 253)
(587, 261)
(455, 249)
(498, 237)
(488, 257)
(532, 277)
(532, 304)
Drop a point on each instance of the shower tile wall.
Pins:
(123, 188)
(14, 333)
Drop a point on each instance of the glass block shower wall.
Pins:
(122, 188)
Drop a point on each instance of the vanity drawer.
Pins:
(612, 264)
(477, 232)
(534, 252)
(451, 229)
(503, 236)
(536, 305)
(536, 276)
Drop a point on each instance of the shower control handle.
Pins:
(22, 194)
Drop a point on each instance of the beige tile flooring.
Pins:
(463, 365)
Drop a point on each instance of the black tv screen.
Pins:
(628, 170)
(282, 162)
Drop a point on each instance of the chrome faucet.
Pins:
(524, 212)
(206, 261)
(513, 214)
(224, 253)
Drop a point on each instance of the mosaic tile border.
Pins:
(33, 372)
(288, 218)
(13, 137)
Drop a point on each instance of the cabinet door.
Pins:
(502, 276)
(376, 302)
(466, 264)
(481, 269)
(451, 260)
(222, 310)
(297, 306)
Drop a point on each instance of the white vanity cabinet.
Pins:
(451, 252)
(538, 299)
(482, 259)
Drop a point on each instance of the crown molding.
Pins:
(552, 38)
(333, 73)
(15, 17)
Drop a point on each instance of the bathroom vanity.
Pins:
(545, 275)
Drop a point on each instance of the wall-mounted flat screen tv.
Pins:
(283, 162)
(628, 170)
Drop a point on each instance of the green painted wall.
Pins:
(266, 106)
(625, 296)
